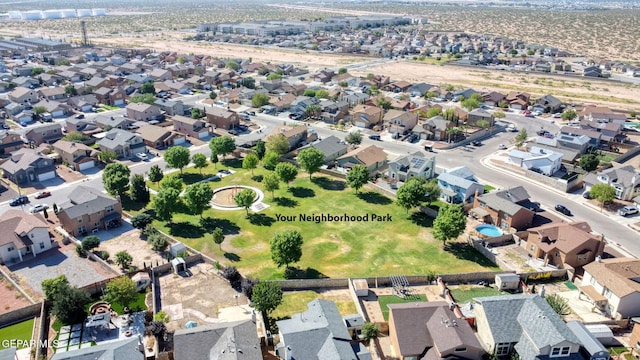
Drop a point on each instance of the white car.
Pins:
(502, 147)
(142, 156)
(628, 210)
(37, 208)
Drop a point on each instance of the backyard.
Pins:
(386, 300)
(296, 302)
(403, 245)
(20, 331)
(465, 293)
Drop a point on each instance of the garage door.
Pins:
(58, 113)
(118, 102)
(86, 165)
(47, 176)
(361, 124)
(203, 135)
(178, 141)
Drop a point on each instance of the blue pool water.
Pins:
(489, 230)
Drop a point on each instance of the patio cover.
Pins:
(98, 320)
(480, 212)
(591, 292)
(112, 216)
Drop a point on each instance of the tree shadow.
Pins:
(128, 204)
(261, 219)
(308, 273)
(186, 230)
(329, 184)
(233, 257)
(257, 178)
(232, 163)
(302, 192)
(191, 178)
(421, 219)
(228, 227)
(373, 197)
(285, 202)
(465, 251)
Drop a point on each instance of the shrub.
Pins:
(105, 255)
(80, 251)
(233, 276)
(161, 317)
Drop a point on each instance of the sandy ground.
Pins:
(12, 299)
(139, 249)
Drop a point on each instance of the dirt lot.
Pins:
(12, 299)
(139, 250)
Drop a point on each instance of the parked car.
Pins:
(628, 210)
(252, 113)
(37, 208)
(476, 143)
(502, 147)
(563, 209)
(542, 132)
(79, 116)
(534, 206)
(375, 137)
(19, 200)
(142, 156)
(586, 195)
(42, 194)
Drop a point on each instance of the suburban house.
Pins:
(190, 127)
(295, 135)
(222, 118)
(10, 141)
(476, 116)
(318, 333)
(436, 128)
(159, 137)
(539, 160)
(566, 142)
(83, 102)
(27, 166)
(23, 236)
(372, 157)
(400, 122)
(54, 108)
(458, 185)
(505, 208)
(612, 284)
(518, 100)
(525, 324)
(593, 136)
(547, 104)
(415, 165)
(430, 330)
(48, 133)
(110, 96)
(562, 244)
(112, 122)
(84, 126)
(208, 341)
(366, 116)
(115, 350)
(625, 179)
(493, 98)
(87, 210)
(332, 148)
(78, 156)
(123, 143)
(143, 111)
(23, 95)
(602, 115)
(170, 107)
(53, 93)
(609, 132)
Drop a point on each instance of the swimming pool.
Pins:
(488, 230)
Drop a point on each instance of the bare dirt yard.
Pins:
(139, 249)
(12, 299)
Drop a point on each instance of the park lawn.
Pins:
(465, 293)
(385, 300)
(22, 331)
(331, 249)
(296, 302)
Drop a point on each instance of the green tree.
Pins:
(139, 191)
(271, 182)
(214, 159)
(569, 115)
(121, 290)
(357, 177)
(286, 172)
(266, 297)
(141, 220)
(383, 103)
(604, 193)
(497, 115)
(199, 161)
(233, 65)
(54, 286)
(197, 197)
(155, 174)
(369, 331)
(148, 88)
(449, 115)
(470, 103)
(342, 71)
(558, 304)
(429, 95)
(39, 110)
(312, 110)
(354, 138)
(70, 90)
(90, 242)
(164, 203)
(213, 95)
(259, 100)
(431, 191)
(68, 304)
(172, 181)
(309, 93)
(249, 82)
(36, 71)
(115, 179)
(286, 247)
(434, 111)
(274, 76)
(245, 198)
(589, 162)
(278, 144)
(250, 162)
(75, 137)
(107, 156)
(410, 194)
(144, 98)
(123, 259)
(521, 138)
(311, 159)
(218, 237)
(322, 94)
(196, 113)
(453, 132)
(270, 160)
(222, 145)
(450, 223)
(260, 149)
(177, 157)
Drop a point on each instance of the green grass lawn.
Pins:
(296, 302)
(466, 293)
(20, 331)
(331, 249)
(385, 300)
(488, 188)
(137, 305)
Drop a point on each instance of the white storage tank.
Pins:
(83, 12)
(507, 281)
(32, 15)
(51, 14)
(68, 13)
(98, 12)
(15, 15)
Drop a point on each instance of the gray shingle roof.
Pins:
(236, 340)
(330, 145)
(117, 350)
(115, 138)
(84, 200)
(506, 200)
